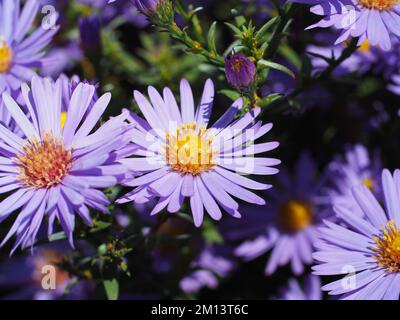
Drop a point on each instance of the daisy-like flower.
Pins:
(372, 20)
(180, 156)
(287, 225)
(366, 249)
(311, 290)
(20, 52)
(54, 169)
(355, 169)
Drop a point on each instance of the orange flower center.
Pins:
(44, 164)
(387, 250)
(5, 57)
(296, 215)
(188, 150)
(381, 5)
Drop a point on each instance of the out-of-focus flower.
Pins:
(20, 50)
(240, 71)
(180, 157)
(56, 167)
(30, 277)
(357, 168)
(212, 264)
(395, 86)
(66, 56)
(311, 290)
(370, 20)
(287, 224)
(110, 10)
(147, 7)
(366, 249)
(89, 28)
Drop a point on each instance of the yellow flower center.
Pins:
(63, 119)
(381, 5)
(368, 183)
(5, 57)
(387, 250)
(296, 215)
(365, 47)
(44, 164)
(188, 150)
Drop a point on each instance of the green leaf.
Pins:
(57, 236)
(231, 94)
(112, 289)
(235, 29)
(276, 66)
(260, 33)
(211, 233)
(211, 37)
(240, 21)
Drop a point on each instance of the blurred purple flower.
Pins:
(213, 263)
(24, 276)
(287, 225)
(356, 169)
(310, 291)
(89, 29)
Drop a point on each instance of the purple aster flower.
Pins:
(310, 291)
(55, 169)
(180, 157)
(395, 86)
(212, 264)
(287, 225)
(357, 168)
(366, 249)
(24, 276)
(20, 52)
(240, 71)
(373, 20)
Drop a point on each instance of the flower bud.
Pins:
(240, 71)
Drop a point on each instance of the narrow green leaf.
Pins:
(211, 37)
(231, 94)
(260, 33)
(112, 289)
(234, 29)
(276, 66)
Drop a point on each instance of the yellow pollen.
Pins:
(189, 150)
(365, 47)
(295, 215)
(45, 163)
(387, 250)
(5, 57)
(381, 5)
(63, 119)
(368, 183)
